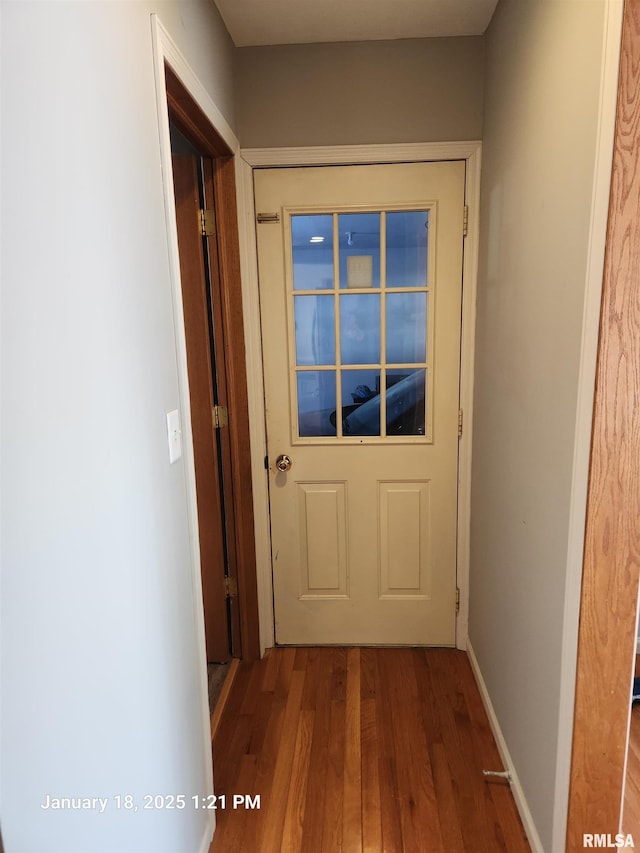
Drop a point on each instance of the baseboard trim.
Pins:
(516, 787)
(207, 838)
(224, 695)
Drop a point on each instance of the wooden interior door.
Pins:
(192, 178)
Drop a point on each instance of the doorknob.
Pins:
(283, 462)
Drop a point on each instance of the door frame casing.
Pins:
(607, 638)
(179, 94)
(166, 55)
(165, 50)
(253, 158)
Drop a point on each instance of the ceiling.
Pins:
(260, 22)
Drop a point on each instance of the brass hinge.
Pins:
(220, 416)
(459, 423)
(457, 599)
(230, 587)
(267, 217)
(207, 221)
(465, 220)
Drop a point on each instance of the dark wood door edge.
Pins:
(199, 369)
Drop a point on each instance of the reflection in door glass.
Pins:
(359, 249)
(315, 330)
(406, 400)
(316, 402)
(312, 243)
(359, 387)
(406, 324)
(360, 328)
(347, 336)
(407, 234)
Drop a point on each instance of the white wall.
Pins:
(544, 62)
(101, 666)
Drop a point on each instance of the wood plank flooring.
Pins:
(365, 750)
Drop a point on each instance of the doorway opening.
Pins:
(206, 218)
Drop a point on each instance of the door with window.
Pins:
(360, 286)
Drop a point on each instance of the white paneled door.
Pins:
(360, 288)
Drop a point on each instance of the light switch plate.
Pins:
(174, 436)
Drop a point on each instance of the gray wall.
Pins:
(414, 90)
(100, 679)
(540, 124)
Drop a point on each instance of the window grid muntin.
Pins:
(382, 366)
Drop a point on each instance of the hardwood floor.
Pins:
(360, 750)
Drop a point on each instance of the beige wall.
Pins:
(200, 34)
(414, 90)
(540, 128)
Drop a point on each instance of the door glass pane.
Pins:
(406, 325)
(359, 249)
(356, 348)
(316, 402)
(315, 330)
(312, 242)
(361, 402)
(406, 401)
(360, 328)
(407, 247)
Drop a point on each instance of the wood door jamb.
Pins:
(195, 125)
(471, 153)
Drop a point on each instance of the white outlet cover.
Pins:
(174, 436)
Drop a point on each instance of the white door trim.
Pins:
(251, 158)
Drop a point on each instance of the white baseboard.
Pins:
(207, 838)
(516, 787)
